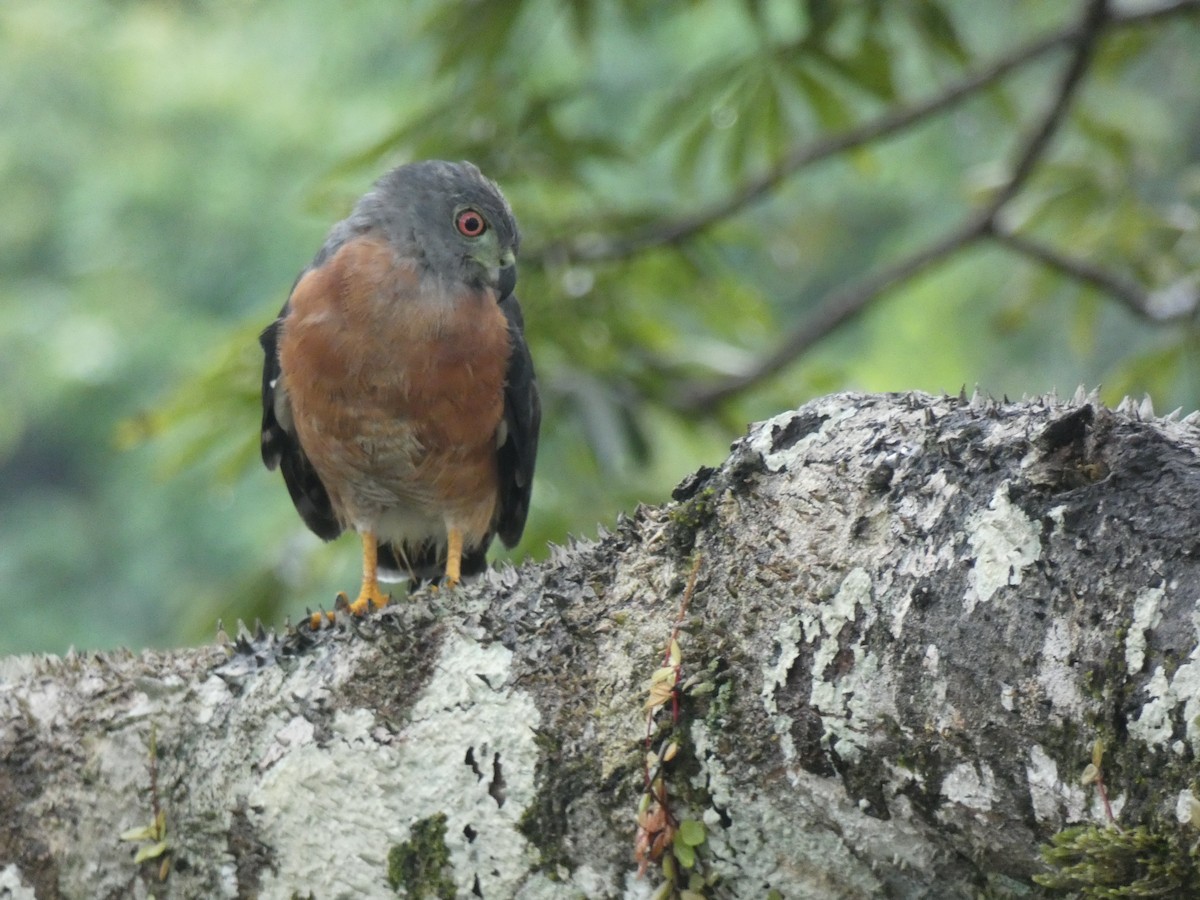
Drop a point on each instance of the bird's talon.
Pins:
(318, 619)
(370, 598)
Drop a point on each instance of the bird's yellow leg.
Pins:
(454, 548)
(370, 595)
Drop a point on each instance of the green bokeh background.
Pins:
(167, 168)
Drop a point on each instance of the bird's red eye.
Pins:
(470, 223)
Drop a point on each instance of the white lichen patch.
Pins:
(868, 695)
(1044, 786)
(1187, 808)
(1058, 515)
(900, 613)
(1056, 676)
(789, 637)
(859, 694)
(1155, 724)
(1004, 542)
(940, 716)
(780, 840)
(1054, 801)
(381, 788)
(834, 408)
(932, 660)
(925, 557)
(924, 508)
(12, 886)
(813, 841)
(854, 594)
(210, 695)
(1007, 697)
(43, 703)
(965, 785)
(297, 732)
(1147, 614)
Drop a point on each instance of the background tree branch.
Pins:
(1132, 296)
(888, 123)
(843, 305)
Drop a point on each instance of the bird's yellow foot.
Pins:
(444, 584)
(370, 597)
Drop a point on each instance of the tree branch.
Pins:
(1132, 296)
(848, 302)
(673, 231)
(1034, 147)
(1128, 293)
(916, 670)
(839, 307)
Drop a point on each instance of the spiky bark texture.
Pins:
(913, 618)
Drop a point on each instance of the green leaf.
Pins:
(663, 673)
(145, 833)
(939, 28)
(692, 832)
(695, 141)
(685, 853)
(871, 68)
(1108, 136)
(829, 109)
(674, 653)
(476, 33)
(821, 16)
(151, 852)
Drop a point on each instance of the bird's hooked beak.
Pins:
(508, 273)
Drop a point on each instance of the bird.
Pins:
(398, 391)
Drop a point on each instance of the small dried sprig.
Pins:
(153, 835)
(661, 837)
(1093, 773)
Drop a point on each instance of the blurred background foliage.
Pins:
(687, 199)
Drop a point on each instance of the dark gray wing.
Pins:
(522, 419)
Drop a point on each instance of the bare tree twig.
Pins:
(673, 231)
(1124, 290)
(1128, 293)
(850, 301)
(1090, 28)
(839, 307)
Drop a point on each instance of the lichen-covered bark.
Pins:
(914, 618)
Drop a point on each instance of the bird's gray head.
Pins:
(451, 218)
